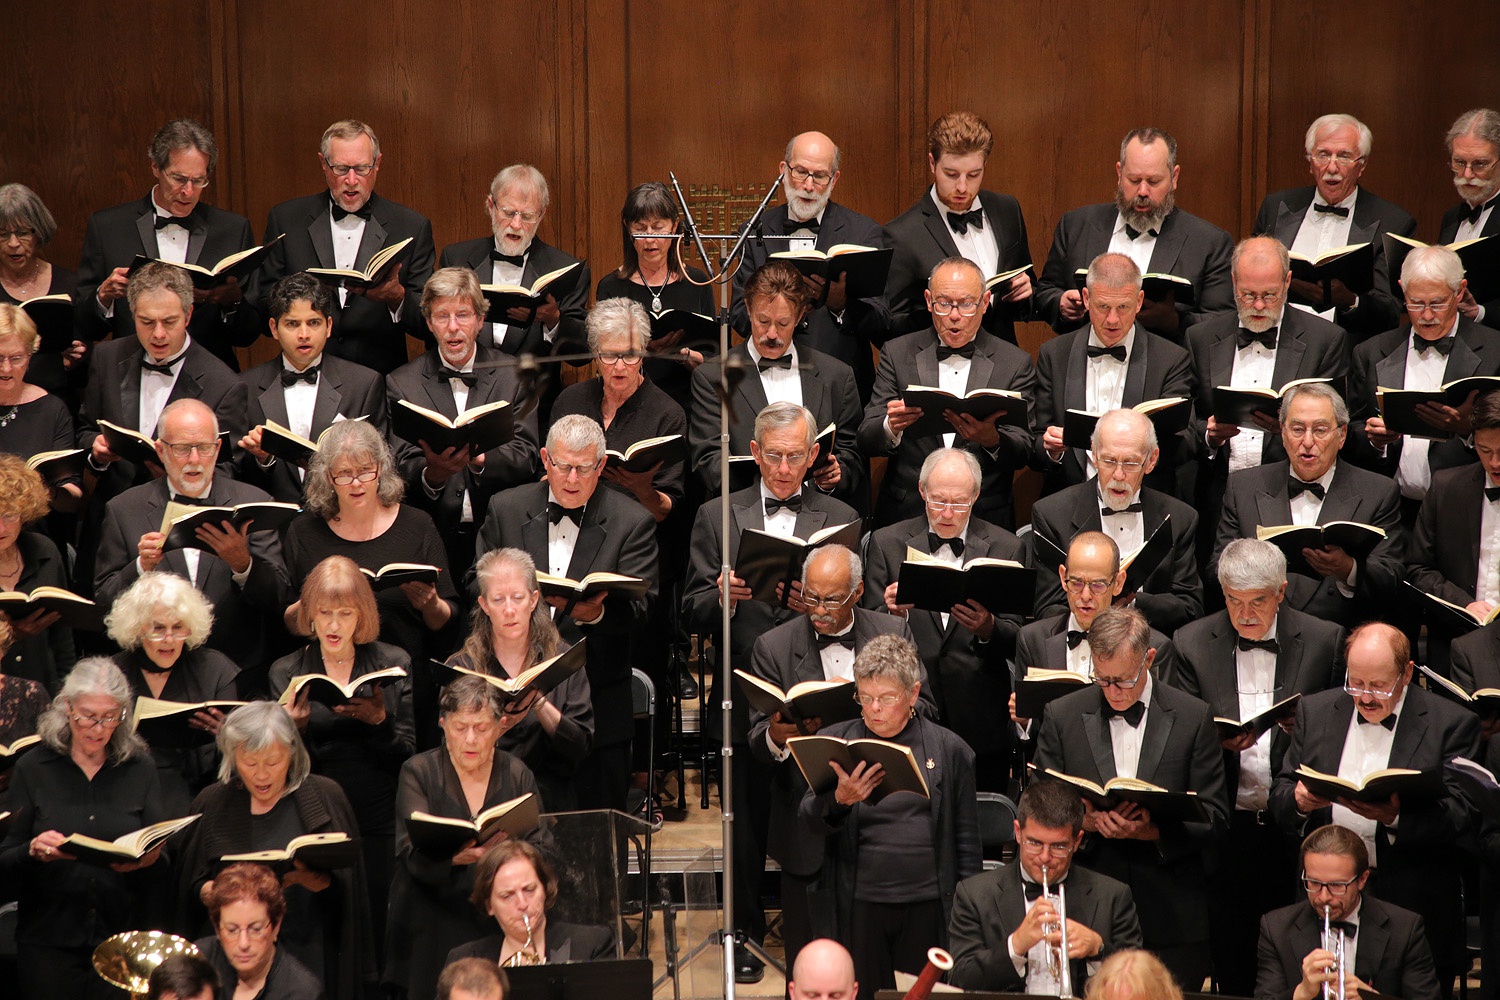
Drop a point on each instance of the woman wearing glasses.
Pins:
(160, 624)
(26, 226)
(894, 862)
(247, 907)
(42, 649)
(92, 775)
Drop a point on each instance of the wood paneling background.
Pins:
(603, 94)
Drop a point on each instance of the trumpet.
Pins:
(527, 954)
(1058, 966)
(1333, 941)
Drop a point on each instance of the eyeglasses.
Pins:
(1111, 464)
(1077, 586)
(942, 307)
(345, 169)
(820, 178)
(1362, 692)
(21, 234)
(1334, 888)
(775, 458)
(1439, 307)
(1059, 850)
(350, 478)
(516, 213)
(15, 360)
(1269, 298)
(159, 632)
(828, 602)
(631, 358)
(1320, 432)
(463, 316)
(1119, 683)
(1344, 158)
(1477, 166)
(257, 930)
(565, 470)
(938, 506)
(182, 180)
(95, 721)
(185, 449)
(885, 700)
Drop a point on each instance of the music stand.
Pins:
(619, 979)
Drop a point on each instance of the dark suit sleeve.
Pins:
(416, 268)
(1057, 278)
(267, 587)
(89, 322)
(1418, 971)
(1050, 599)
(888, 385)
(703, 426)
(977, 941)
(1125, 925)
(1382, 571)
(1271, 981)
(623, 616)
(904, 285)
(572, 336)
(114, 562)
(1361, 398)
(1047, 410)
(1206, 777)
(1423, 571)
(1183, 601)
(1283, 801)
(1436, 825)
(968, 850)
(852, 466)
(1216, 291)
(1049, 743)
(1014, 450)
(762, 665)
(700, 594)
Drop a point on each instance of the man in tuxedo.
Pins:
(838, 325)
(959, 357)
(1443, 345)
(1474, 157)
(1110, 363)
(1144, 224)
(1315, 486)
(1379, 719)
(1244, 660)
(303, 389)
(1264, 345)
(571, 528)
(771, 367)
(452, 485)
(784, 448)
(1385, 947)
(946, 222)
(1336, 212)
(963, 649)
(240, 571)
(1003, 927)
(344, 228)
(170, 224)
(1124, 452)
(818, 646)
(513, 255)
(1129, 725)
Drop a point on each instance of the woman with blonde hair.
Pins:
(43, 648)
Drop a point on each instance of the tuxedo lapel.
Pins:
(370, 243)
(1374, 938)
(1096, 728)
(1272, 506)
(927, 363)
(1055, 650)
(534, 534)
(1168, 246)
(272, 402)
(1332, 732)
(320, 232)
(1221, 359)
(439, 392)
(1289, 351)
(1220, 686)
(1288, 222)
(1462, 361)
(1159, 721)
(918, 540)
(937, 227)
(128, 371)
(751, 515)
(752, 393)
(590, 538)
(807, 662)
(1076, 388)
(1411, 732)
(1288, 660)
(981, 367)
(1135, 370)
(145, 227)
(809, 521)
(1342, 502)
(1390, 371)
(197, 238)
(326, 402)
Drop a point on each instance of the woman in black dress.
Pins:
(513, 632)
(25, 228)
(160, 624)
(462, 778)
(32, 420)
(363, 743)
(247, 907)
(22, 703)
(43, 649)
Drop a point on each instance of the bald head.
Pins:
(823, 971)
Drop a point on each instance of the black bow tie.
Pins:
(147, 365)
(960, 222)
(1075, 637)
(1340, 210)
(1117, 352)
(1131, 232)
(556, 512)
(518, 260)
(467, 378)
(1269, 645)
(1033, 890)
(163, 221)
(1131, 715)
(1346, 927)
(944, 352)
(824, 641)
(1443, 345)
(791, 503)
(784, 362)
(1389, 722)
(340, 213)
(309, 375)
(811, 225)
(1296, 487)
(1471, 216)
(1244, 338)
(1492, 493)
(187, 501)
(934, 543)
(1134, 508)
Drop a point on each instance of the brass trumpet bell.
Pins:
(128, 959)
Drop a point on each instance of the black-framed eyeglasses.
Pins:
(943, 307)
(1312, 885)
(345, 169)
(1119, 683)
(820, 178)
(1076, 586)
(350, 478)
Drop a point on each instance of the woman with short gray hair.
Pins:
(26, 227)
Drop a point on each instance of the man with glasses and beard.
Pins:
(1128, 725)
(1145, 224)
(1474, 157)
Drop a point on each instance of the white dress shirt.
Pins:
(1128, 530)
(172, 241)
(1367, 747)
(1254, 367)
(1255, 679)
(782, 524)
(156, 389)
(1105, 381)
(561, 538)
(504, 273)
(1125, 739)
(1321, 232)
(1424, 370)
(1487, 585)
(977, 245)
(781, 385)
(800, 243)
(348, 232)
(946, 555)
(1139, 249)
(953, 376)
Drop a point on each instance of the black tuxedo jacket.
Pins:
(1172, 595)
(1311, 659)
(1444, 560)
(345, 389)
(828, 392)
(921, 238)
(1381, 361)
(864, 322)
(968, 678)
(1448, 232)
(913, 360)
(1043, 644)
(1393, 955)
(512, 464)
(1281, 215)
(616, 536)
(242, 613)
(988, 907)
(541, 258)
(1475, 658)
(115, 236)
(1157, 368)
(362, 330)
(751, 619)
(1258, 496)
(1187, 246)
(787, 655)
(1180, 752)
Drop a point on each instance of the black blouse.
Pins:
(648, 413)
(47, 656)
(46, 370)
(673, 377)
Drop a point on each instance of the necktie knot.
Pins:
(1131, 715)
(1339, 210)
(1033, 890)
(1269, 645)
(934, 542)
(187, 501)
(1131, 232)
(1244, 338)
(1296, 487)
(1389, 722)
(792, 503)
(556, 512)
(1134, 508)
(163, 221)
(340, 213)
(147, 365)
(309, 375)
(467, 378)
(516, 260)
(1075, 637)
(1471, 216)
(1492, 493)
(1443, 345)
(1345, 927)
(1117, 352)
(784, 362)
(944, 352)
(960, 222)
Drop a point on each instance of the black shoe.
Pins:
(687, 687)
(747, 968)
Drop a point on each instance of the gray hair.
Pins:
(853, 563)
(158, 274)
(19, 205)
(453, 283)
(791, 147)
(177, 406)
(1482, 123)
(349, 439)
(259, 726)
(1119, 630)
(619, 317)
(1251, 564)
(182, 133)
(779, 415)
(471, 694)
(1322, 390)
(889, 657)
(1146, 136)
(133, 610)
(1258, 247)
(962, 263)
(1329, 122)
(1113, 270)
(92, 675)
(933, 458)
(346, 129)
(577, 433)
(521, 175)
(1139, 423)
(1433, 264)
